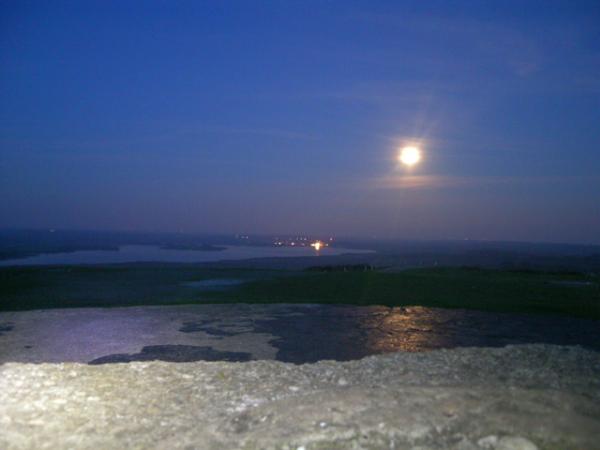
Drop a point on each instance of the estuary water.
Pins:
(154, 253)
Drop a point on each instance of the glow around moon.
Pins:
(409, 156)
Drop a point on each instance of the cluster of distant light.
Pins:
(302, 241)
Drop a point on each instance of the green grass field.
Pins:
(81, 286)
(489, 290)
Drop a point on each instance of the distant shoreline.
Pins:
(7, 254)
(174, 254)
(21, 254)
(195, 247)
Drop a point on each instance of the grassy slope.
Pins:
(68, 287)
(491, 290)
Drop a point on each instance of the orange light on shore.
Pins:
(317, 245)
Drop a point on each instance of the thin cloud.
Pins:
(408, 182)
(417, 182)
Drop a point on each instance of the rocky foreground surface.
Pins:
(517, 397)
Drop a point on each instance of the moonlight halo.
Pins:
(409, 156)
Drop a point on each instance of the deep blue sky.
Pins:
(284, 117)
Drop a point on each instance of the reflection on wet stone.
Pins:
(309, 333)
(346, 333)
(174, 353)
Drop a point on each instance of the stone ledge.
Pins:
(533, 396)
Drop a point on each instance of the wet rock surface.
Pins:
(174, 353)
(285, 332)
(5, 328)
(516, 397)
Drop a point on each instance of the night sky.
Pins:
(286, 117)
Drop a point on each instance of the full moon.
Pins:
(409, 156)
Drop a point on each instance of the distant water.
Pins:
(153, 253)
